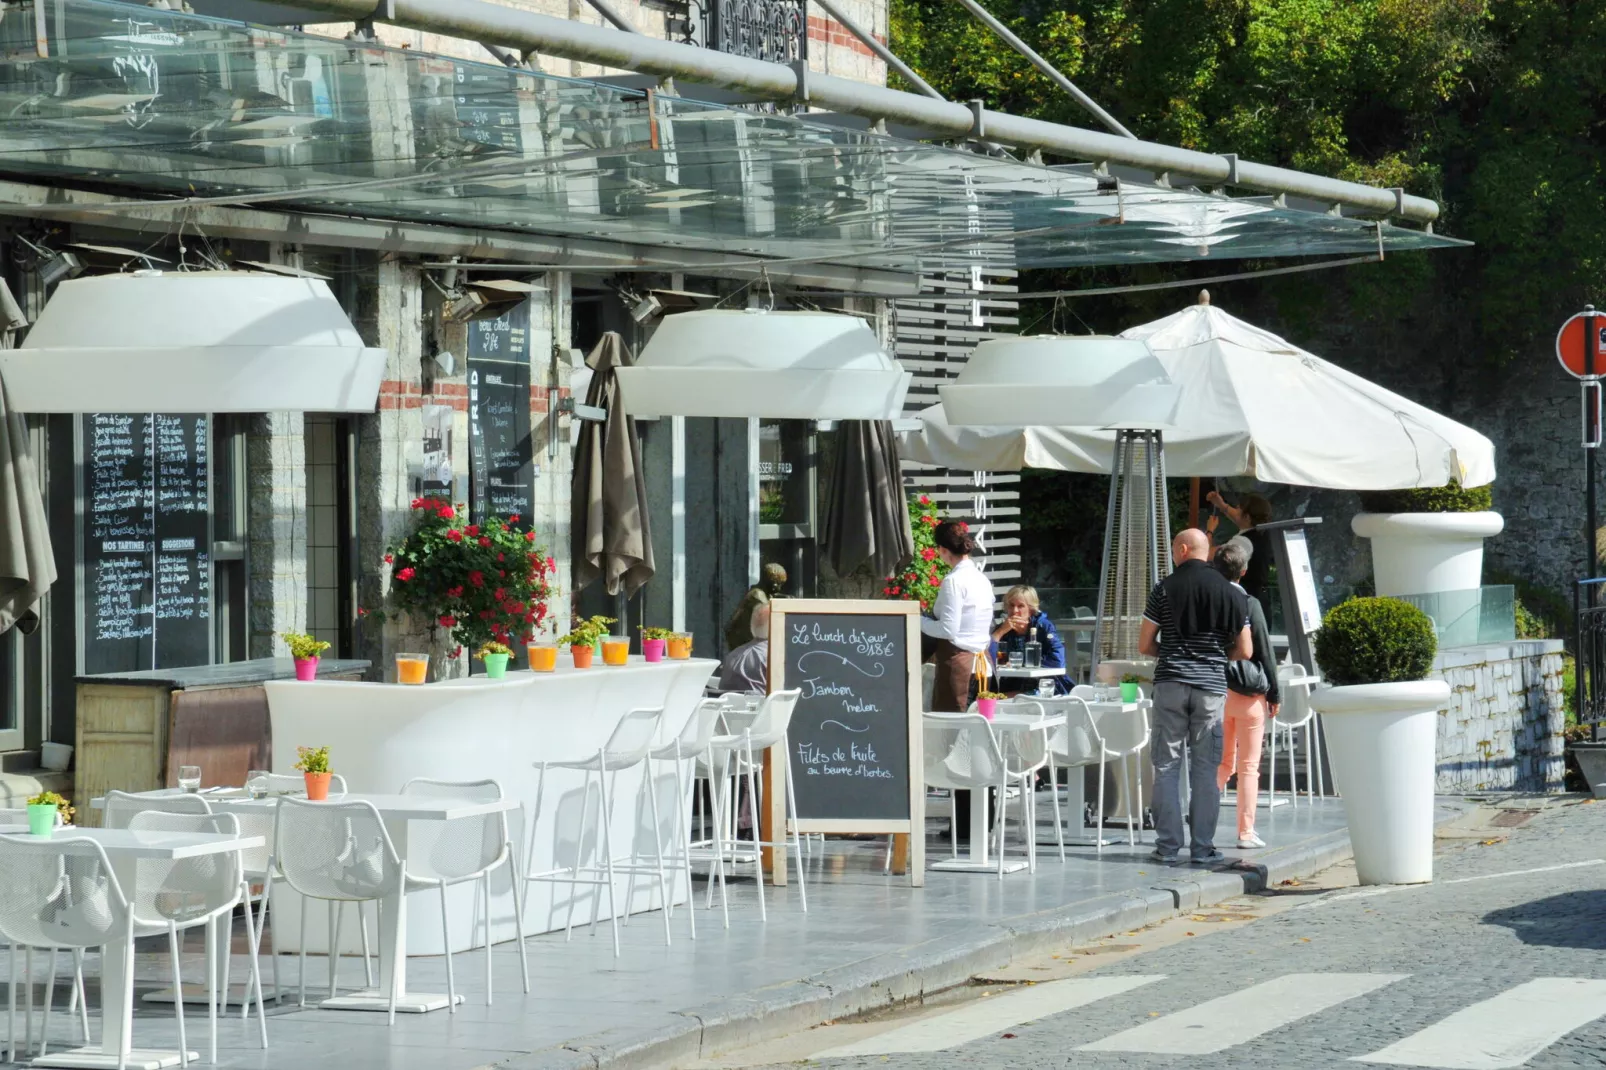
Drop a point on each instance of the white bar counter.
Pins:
(382, 735)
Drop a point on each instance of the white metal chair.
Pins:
(468, 850)
(962, 754)
(1027, 754)
(1086, 740)
(627, 747)
(693, 745)
(296, 784)
(120, 807)
(742, 752)
(75, 1002)
(1295, 685)
(342, 853)
(172, 896)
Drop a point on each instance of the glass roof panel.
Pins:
(153, 103)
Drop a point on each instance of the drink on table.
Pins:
(256, 783)
(189, 778)
(412, 668)
(680, 646)
(615, 651)
(543, 657)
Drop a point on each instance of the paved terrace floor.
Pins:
(581, 995)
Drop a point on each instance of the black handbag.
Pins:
(1247, 678)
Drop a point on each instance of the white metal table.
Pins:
(976, 856)
(125, 847)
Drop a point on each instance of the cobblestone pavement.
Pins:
(1378, 968)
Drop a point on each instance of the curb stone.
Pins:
(907, 974)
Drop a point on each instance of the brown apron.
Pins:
(951, 692)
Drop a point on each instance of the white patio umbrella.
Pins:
(1252, 404)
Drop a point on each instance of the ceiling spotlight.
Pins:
(646, 309)
(485, 299)
(56, 267)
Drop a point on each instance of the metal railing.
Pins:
(776, 31)
(1589, 610)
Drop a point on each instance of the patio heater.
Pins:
(1137, 543)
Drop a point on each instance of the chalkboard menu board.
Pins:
(501, 466)
(147, 599)
(855, 736)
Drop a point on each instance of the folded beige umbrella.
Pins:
(27, 567)
(612, 538)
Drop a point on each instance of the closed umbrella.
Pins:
(610, 533)
(867, 514)
(1252, 404)
(27, 567)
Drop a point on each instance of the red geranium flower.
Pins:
(472, 529)
(454, 592)
(447, 513)
(514, 519)
(361, 612)
(389, 558)
(405, 574)
(551, 565)
(501, 557)
(499, 594)
(418, 503)
(928, 553)
(931, 520)
(447, 621)
(454, 534)
(457, 652)
(476, 578)
(529, 536)
(484, 541)
(925, 499)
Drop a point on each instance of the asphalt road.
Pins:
(1501, 962)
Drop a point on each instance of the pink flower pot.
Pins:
(653, 649)
(987, 707)
(306, 668)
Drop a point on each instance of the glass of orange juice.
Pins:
(615, 650)
(680, 645)
(412, 668)
(543, 656)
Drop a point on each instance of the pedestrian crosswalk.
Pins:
(1504, 1031)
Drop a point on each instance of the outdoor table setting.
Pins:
(124, 849)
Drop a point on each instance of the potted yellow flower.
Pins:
(306, 651)
(655, 643)
(314, 765)
(42, 811)
(495, 656)
(584, 638)
(987, 703)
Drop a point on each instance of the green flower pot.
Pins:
(41, 819)
(1129, 692)
(496, 665)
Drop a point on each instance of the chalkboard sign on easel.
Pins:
(855, 754)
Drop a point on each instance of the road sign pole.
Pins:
(1591, 352)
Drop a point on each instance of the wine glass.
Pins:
(189, 778)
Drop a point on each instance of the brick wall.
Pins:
(1502, 728)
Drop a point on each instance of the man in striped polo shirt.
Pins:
(1194, 623)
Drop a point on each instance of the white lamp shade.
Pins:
(777, 365)
(1062, 381)
(201, 341)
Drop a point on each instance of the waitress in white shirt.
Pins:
(962, 619)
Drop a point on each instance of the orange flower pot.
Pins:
(317, 786)
(582, 656)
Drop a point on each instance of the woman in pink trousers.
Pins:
(1252, 700)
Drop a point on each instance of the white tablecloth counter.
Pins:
(381, 735)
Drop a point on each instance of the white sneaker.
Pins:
(1249, 842)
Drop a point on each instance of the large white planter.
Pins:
(1427, 553)
(1380, 741)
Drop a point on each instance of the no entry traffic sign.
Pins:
(1573, 343)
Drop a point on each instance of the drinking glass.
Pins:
(615, 651)
(256, 783)
(411, 668)
(543, 657)
(680, 646)
(189, 778)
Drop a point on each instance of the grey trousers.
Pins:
(1190, 716)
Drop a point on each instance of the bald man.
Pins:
(1196, 620)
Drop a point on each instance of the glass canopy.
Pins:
(152, 104)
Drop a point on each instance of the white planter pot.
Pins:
(1381, 743)
(1427, 553)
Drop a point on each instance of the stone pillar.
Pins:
(549, 378)
(276, 467)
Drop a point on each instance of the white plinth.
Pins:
(1427, 553)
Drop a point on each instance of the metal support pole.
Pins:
(606, 11)
(1591, 352)
(904, 70)
(1048, 69)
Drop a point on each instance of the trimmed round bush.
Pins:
(1450, 498)
(1375, 641)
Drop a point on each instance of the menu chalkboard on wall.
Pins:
(854, 741)
(147, 599)
(501, 466)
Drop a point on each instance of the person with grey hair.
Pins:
(1252, 700)
(747, 668)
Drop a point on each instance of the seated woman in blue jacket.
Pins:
(1025, 623)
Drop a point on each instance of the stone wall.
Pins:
(1502, 729)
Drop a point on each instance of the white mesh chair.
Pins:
(1295, 713)
(692, 745)
(60, 893)
(341, 853)
(741, 752)
(187, 893)
(1026, 754)
(296, 784)
(467, 850)
(120, 806)
(76, 1001)
(1087, 740)
(962, 754)
(627, 747)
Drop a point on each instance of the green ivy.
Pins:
(1375, 641)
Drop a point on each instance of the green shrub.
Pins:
(1450, 498)
(1375, 641)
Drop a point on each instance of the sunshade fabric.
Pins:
(1252, 404)
(610, 530)
(867, 514)
(156, 101)
(27, 567)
